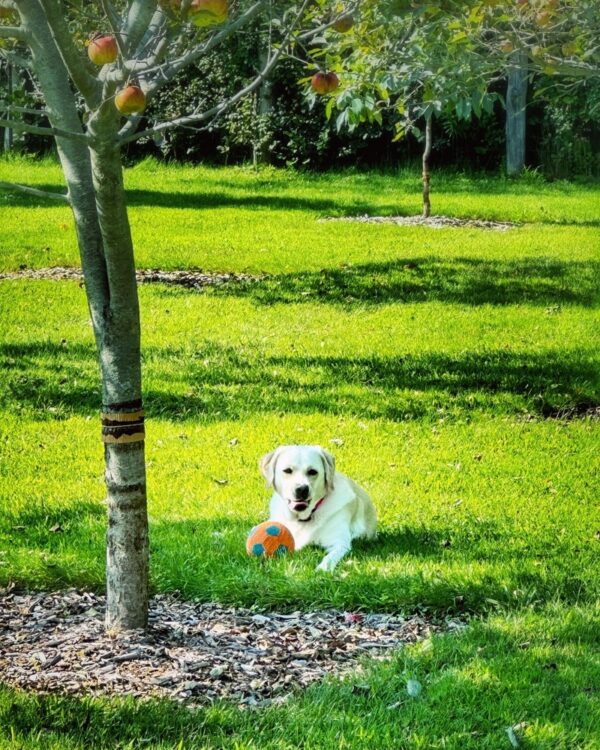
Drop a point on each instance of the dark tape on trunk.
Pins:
(114, 419)
(123, 427)
(134, 405)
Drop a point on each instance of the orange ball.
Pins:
(269, 539)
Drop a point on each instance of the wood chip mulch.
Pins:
(434, 222)
(187, 279)
(193, 653)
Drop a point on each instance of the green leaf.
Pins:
(329, 108)
(357, 106)
(342, 120)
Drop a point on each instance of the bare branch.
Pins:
(78, 67)
(114, 21)
(25, 127)
(6, 106)
(139, 18)
(219, 109)
(168, 71)
(13, 32)
(63, 197)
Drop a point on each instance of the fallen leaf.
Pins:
(414, 688)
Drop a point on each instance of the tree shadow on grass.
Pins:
(460, 565)
(466, 281)
(255, 198)
(215, 383)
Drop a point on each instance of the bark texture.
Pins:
(516, 119)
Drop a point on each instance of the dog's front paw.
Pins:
(326, 565)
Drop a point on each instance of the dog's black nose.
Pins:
(301, 492)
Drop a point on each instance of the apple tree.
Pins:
(424, 60)
(94, 100)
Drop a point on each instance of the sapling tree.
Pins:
(94, 100)
(418, 60)
(425, 60)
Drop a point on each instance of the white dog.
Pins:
(317, 504)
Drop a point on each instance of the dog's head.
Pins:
(300, 474)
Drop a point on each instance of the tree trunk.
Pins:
(264, 107)
(426, 173)
(516, 102)
(95, 185)
(123, 418)
(8, 132)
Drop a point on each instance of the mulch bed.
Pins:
(193, 653)
(187, 279)
(434, 222)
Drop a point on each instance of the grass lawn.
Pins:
(453, 372)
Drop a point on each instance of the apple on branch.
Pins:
(208, 12)
(324, 83)
(102, 49)
(131, 100)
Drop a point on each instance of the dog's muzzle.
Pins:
(298, 506)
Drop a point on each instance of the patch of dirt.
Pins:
(435, 222)
(187, 279)
(192, 653)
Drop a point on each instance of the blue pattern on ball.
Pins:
(258, 549)
(281, 550)
(272, 530)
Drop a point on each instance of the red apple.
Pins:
(103, 50)
(343, 24)
(131, 100)
(324, 83)
(208, 12)
(320, 83)
(334, 82)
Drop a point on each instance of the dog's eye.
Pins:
(287, 471)
(312, 472)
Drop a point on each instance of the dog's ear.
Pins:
(329, 465)
(267, 466)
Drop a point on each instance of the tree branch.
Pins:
(6, 106)
(170, 70)
(78, 68)
(114, 21)
(63, 197)
(24, 127)
(139, 18)
(13, 32)
(219, 109)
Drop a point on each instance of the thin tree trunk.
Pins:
(516, 121)
(426, 173)
(97, 197)
(8, 132)
(261, 153)
(123, 420)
